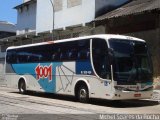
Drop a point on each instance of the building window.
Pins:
(58, 5)
(27, 7)
(20, 10)
(72, 3)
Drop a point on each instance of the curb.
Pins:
(3, 85)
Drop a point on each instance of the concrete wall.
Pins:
(2, 80)
(64, 17)
(26, 20)
(70, 12)
(2, 54)
(76, 15)
(44, 19)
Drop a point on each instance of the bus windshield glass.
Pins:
(132, 63)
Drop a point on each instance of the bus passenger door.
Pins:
(101, 63)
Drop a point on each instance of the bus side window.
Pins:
(83, 54)
(22, 58)
(72, 54)
(63, 56)
(71, 51)
(56, 54)
(84, 50)
(11, 56)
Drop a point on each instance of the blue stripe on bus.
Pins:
(84, 67)
(45, 83)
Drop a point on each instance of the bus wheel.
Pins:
(22, 87)
(83, 95)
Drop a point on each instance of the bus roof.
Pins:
(103, 36)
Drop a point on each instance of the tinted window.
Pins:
(132, 61)
(100, 58)
(66, 51)
(11, 56)
(74, 50)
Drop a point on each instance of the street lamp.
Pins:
(52, 3)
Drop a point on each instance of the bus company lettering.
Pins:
(43, 72)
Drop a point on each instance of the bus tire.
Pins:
(83, 94)
(22, 86)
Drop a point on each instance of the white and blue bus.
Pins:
(105, 66)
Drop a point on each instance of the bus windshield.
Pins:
(132, 63)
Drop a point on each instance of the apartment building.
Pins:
(45, 15)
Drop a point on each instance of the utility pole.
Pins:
(52, 3)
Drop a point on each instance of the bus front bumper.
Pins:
(121, 95)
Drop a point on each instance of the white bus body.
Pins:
(105, 66)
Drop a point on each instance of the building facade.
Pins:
(26, 17)
(45, 15)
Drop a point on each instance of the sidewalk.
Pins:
(2, 84)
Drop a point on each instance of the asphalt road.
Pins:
(48, 106)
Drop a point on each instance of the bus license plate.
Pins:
(137, 95)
